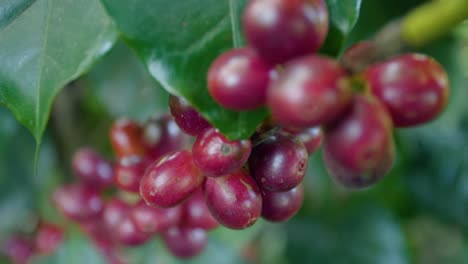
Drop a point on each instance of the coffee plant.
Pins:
(237, 131)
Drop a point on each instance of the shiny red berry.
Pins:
(170, 180)
(78, 202)
(186, 117)
(234, 200)
(114, 212)
(216, 156)
(126, 232)
(311, 137)
(280, 30)
(359, 150)
(161, 136)
(150, 219)
(312, 90)
(281, 206)
(128, 172)
(413, 87)
(238, 80)
(279, 163)
(196, 213)
(126, 136)
(184, 242)
(92, 168)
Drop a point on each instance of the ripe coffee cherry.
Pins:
(413, 87)
(128, 172)
(234, 200)
(184, 242)
(186, 117)
(170, 180)
(238, 80)
(49, 237)
(92, 168)
(161, 136)
(280, 30)
(196, 213)
(126, 232)
(279, 163)
(125, 136)
(114, 212)
(312, 90)
(359, 149)
(311, 137)
(215, 155)
(154, 220)
(78, 202)
(281, 206)
(18, 249)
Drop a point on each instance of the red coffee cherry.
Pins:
(125, 136)
(150, 219)
(413, 87)
(359, 150)
(186, 117)
(128, 172)
(92, 168)
(311, 91)
(184, 242)
(170, 180)
(280, 30)
(196, 213)
(281, 206)
(238, 80)
(49, 237)
(78, 202)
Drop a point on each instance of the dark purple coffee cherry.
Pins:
(234, 200)
(359, 150)
(281, 206)
(312, 91)
(78, 202)
(196, 213)
(170, 180)
(48, 239)
(187, 118)
(128, 172)
(184, 242)
(92, 168)
(161, 136)
(413, 87)
(279, 163)
(125, 136)
(280, 30)
(238, 80)
(155, 220)
(216, 156)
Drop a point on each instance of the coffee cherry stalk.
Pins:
(183, 190)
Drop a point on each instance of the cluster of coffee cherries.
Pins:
(46, 239)
(357, 111)
(163, 184)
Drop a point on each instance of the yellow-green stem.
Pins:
(432, 20)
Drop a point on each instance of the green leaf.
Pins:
(44, 44)
(76, 249)
(20, 190)
(343, 17)
(121, 86)
(348, 236)
(178, 40)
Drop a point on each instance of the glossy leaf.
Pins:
(178, 40)
(44, 44)
(343, 17)
(121, 86)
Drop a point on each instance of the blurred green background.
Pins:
(417, 214)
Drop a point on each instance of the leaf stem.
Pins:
(236, 34)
